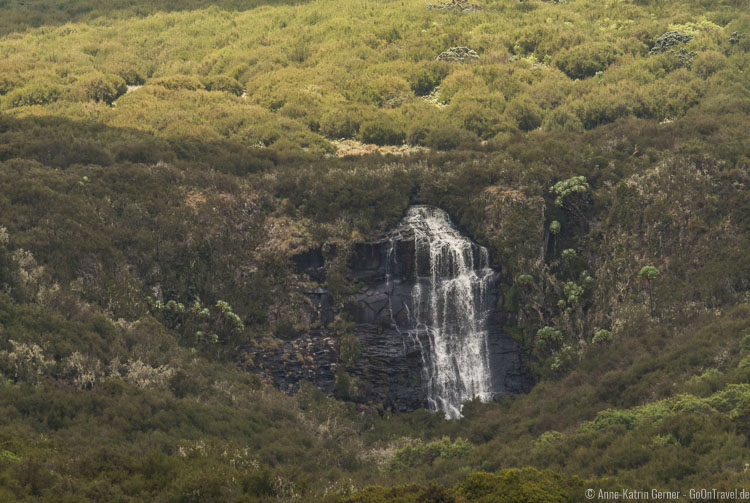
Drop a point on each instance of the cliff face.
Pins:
(399, 363)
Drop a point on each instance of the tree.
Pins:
(648, 273)
(565, 188)
(554, 229)
(572, 194)
(548, 339)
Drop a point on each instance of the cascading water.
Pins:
(449, 309)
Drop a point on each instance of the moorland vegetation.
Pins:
(160, 166)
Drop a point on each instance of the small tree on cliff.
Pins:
(648, 273)
(554, 229)
(572, 195)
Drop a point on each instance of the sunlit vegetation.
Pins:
(297, 76)
(160, 166)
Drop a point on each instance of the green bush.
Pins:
(585, 60)
(462, 82)
(705, 384)
(709, 62)
(606, 104)
(447, 137)
(383, 129)
(518, 485)
(130, 73)
(8, 266)
(482, 120)
(350, 349)
(341, 123)
(570, 188)
(7, 83)
(177, 82)
(402, 494)
(562, 120)
(223, 83)
(427, 76)
(602, 336)
(668, 40)
(346, 386)
(100, 87)
(33, 94)
(548, 338)
(419, 453)
(299, 51)
(527, 114)
(417, 132)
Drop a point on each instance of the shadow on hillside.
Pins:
(21, 15)
(60, 142)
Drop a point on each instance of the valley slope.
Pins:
(163, 170)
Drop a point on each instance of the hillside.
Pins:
(162, 171)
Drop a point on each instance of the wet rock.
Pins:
(391, 366)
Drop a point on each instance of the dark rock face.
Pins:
(312, 356)
(392, 367)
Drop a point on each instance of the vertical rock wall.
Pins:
(427, 319)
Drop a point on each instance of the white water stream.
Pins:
(449, 307)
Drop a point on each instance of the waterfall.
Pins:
(449, 310)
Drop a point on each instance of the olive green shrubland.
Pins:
(160, 166)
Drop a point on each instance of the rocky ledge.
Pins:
(389, 366)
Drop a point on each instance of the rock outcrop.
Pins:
(393, 363)
(458, 55)
(456, 6)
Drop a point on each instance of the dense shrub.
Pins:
(525, 113)
(426, 77)
(709, 62)
(342, 123)
(32, 94)
(462, 82)
(586, 60)
(606, 104)
(7, 83)
(447, 137)
(383, 129)
(223, 83)
(302, 70)
(668, 40)
(100, 87)
(176, 82)
(482, 119)
(562, 120)
(129, 72)
(403, 494)
(186, 195)
(516, 485)
(420, 454)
